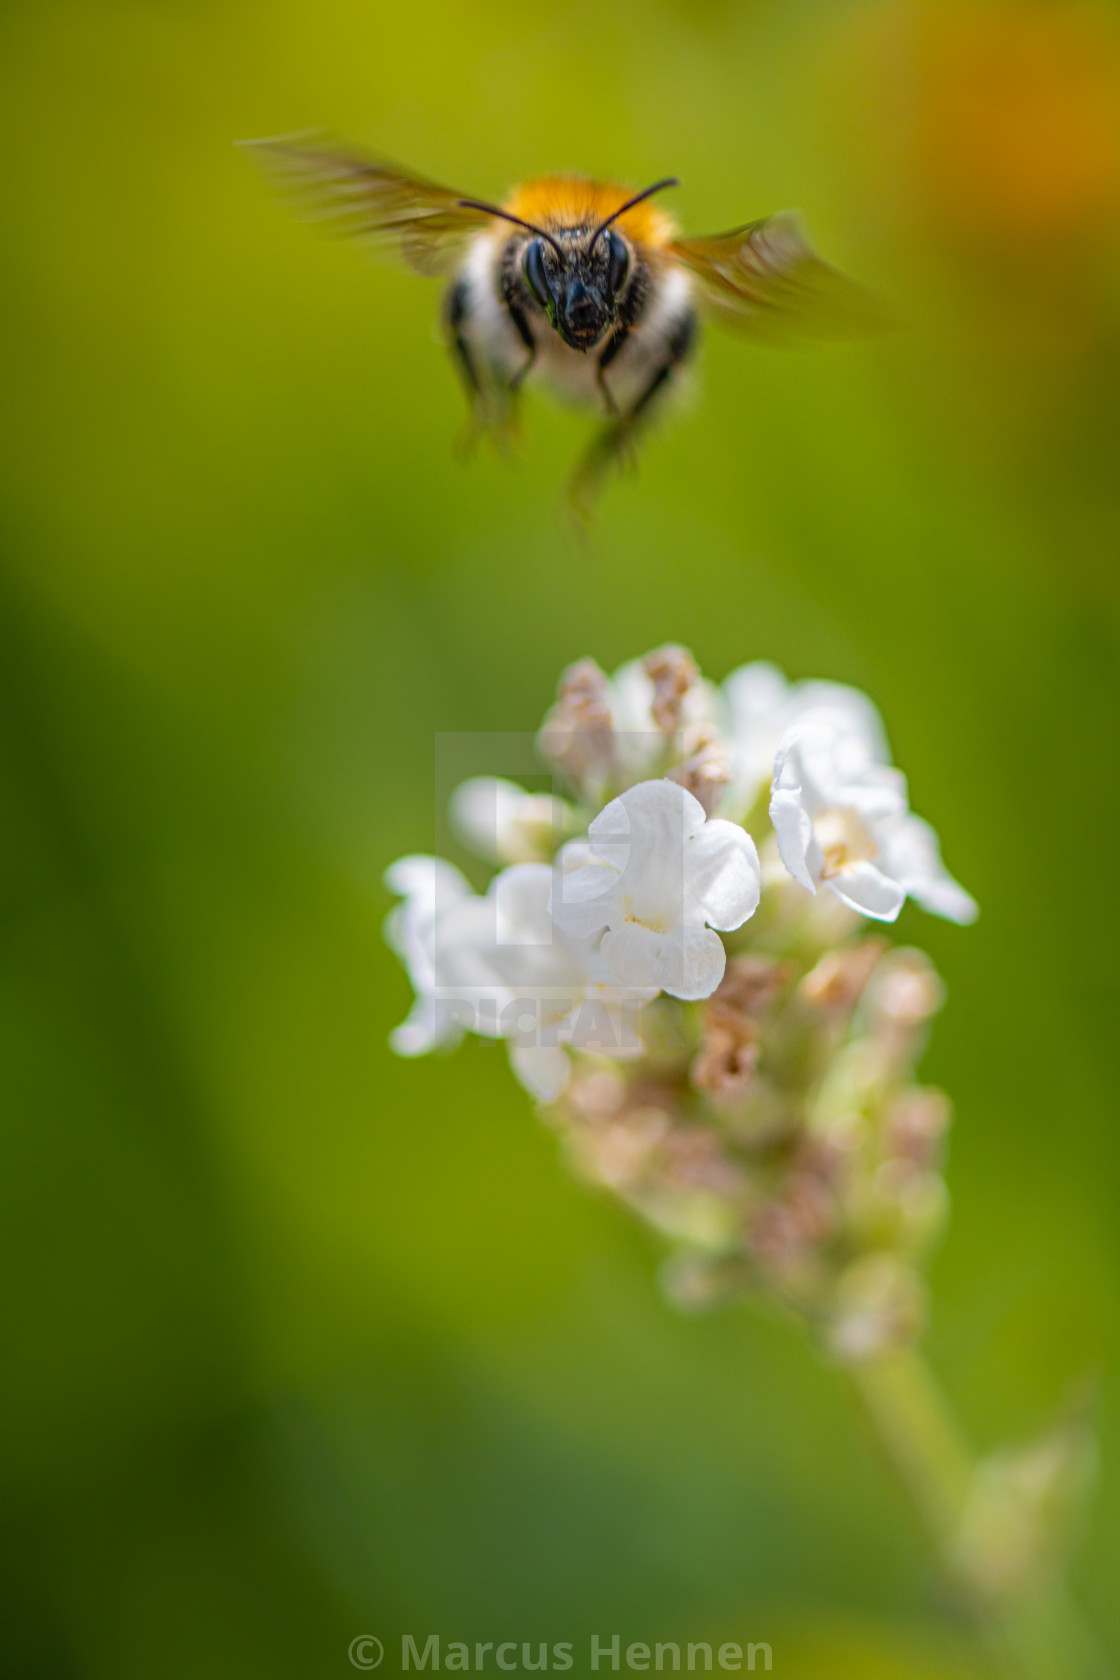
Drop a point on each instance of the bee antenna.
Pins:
(495, 210)
(658, 186)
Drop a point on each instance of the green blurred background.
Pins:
(302, 1341)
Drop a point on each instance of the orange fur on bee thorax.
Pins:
(558, 201)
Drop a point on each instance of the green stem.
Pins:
(1037, 1636)
(921, 1438)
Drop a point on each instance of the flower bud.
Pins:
(837, 982)
(878, 1304)
(578, 733)
(673, 672)
(1021, 1510)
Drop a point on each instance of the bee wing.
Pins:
(765, 280)
(372, 199)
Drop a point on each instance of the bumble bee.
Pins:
(579, 285)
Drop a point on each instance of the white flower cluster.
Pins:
(606, 902)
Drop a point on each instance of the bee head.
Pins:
(577, 275)
(578, 279)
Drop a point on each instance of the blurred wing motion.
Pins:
(765, 281)
(368, 198)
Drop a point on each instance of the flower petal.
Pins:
(432, 879)
(864, 888)
(654, 815)
(655, 821)
(753, 692)
(794, 831)
(704, 963)
(583, 899)
(686, 964)
(859, 713)
(429, 888)
(833, 766)
(521, 894)
(634, 955)
(575, 855)
(946, 897)
(499, 821)
(912, 853)
(723, 877)
(425, 1028)
(544, 1070)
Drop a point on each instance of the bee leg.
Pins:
(605, 360)
(615, 444)
(489, 404)
(457, 313)
(525, 333)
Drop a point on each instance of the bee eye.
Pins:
(619, 259)
(533, 268)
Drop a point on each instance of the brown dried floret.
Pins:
(673, 671)
(916, 1122)
(705, 767)
(578, 733)
(695, 1156)
(726, 1063)
(800, 1219)
(750, 984)
(837, 981)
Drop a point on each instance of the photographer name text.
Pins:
(604, 1654)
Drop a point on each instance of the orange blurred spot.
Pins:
(1018, 119)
